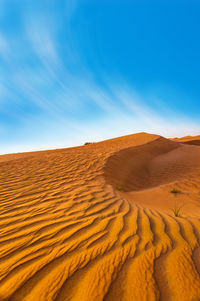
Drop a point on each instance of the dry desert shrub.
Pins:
(175, 191)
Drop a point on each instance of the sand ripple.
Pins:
(68, 233)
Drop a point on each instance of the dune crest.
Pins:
(68, 233)
(130, 167)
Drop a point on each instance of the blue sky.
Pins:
(73, 71)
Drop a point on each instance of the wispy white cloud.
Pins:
(61, 90)
(40, 36)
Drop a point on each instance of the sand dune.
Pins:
(187, 138)
(96, 223)
(193, 140)
(147, 173)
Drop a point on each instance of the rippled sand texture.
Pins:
(95, 222)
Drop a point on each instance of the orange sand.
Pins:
(96, 222)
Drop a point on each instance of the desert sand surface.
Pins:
(97, 222)
(187, 138)
(193, 140)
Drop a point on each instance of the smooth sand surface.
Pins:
(96, 222)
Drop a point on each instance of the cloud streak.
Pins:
(45, 81)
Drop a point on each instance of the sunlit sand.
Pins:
(97, 222)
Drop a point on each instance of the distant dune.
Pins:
(98, 222)
(187, 138)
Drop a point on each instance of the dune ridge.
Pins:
(67, 233)
(187, 138)
(129, 167)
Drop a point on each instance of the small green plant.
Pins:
(175, 191)
(176, 211)
(119, 187)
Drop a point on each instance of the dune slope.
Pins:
(68, 233)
